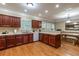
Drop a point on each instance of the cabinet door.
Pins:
(6, 22)
(51, 40)
(25, 38)
(46, 38)
(41, 37)
(19, 39)
(1, 23)
(36, 24)
(30, 39)
(16, 22)
(2, 43)
(10, 40)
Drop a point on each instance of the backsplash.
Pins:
(8, 29)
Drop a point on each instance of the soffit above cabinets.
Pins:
(54, 14)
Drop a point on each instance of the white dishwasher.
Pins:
(36, 36)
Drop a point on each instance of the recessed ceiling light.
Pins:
(39, 14)
(25, 10)
(57, 5)
(46, 11)
(68, 21)
(3, 3)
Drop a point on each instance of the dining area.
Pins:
(71, 37)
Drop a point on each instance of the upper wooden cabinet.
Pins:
(36, 24)
(9, 21)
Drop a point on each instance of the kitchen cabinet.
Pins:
(10, 40)
(25, 38)
(9, 21)
(2, 42)
(36, 24)
(16, 22)
(19, 39)
(5, 21)
(46, 38)
(30, 38)
(1, 20)
(50, 39)
(41, 37)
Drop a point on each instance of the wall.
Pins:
(60, 25)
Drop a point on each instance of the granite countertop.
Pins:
(52, 33)
(14, 33)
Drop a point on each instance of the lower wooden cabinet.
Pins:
(25, 39)
(46, 38)
(7, 41)
(53, 40)
(2, 42)
(30, 38)
(41, 37)
(10, 40)
(19, 39)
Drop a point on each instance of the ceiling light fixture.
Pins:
(57, 5)
(68, 17)
(46, 11)
(30, 4)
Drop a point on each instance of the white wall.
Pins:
(60, 25)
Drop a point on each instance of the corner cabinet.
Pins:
(36, 24)
(9, 21)
(50, 39)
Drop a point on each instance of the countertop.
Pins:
(14, 34)
(52, 33)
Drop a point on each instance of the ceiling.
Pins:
(54, 14)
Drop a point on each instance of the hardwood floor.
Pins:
(41, 49)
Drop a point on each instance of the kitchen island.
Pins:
(52, 39)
